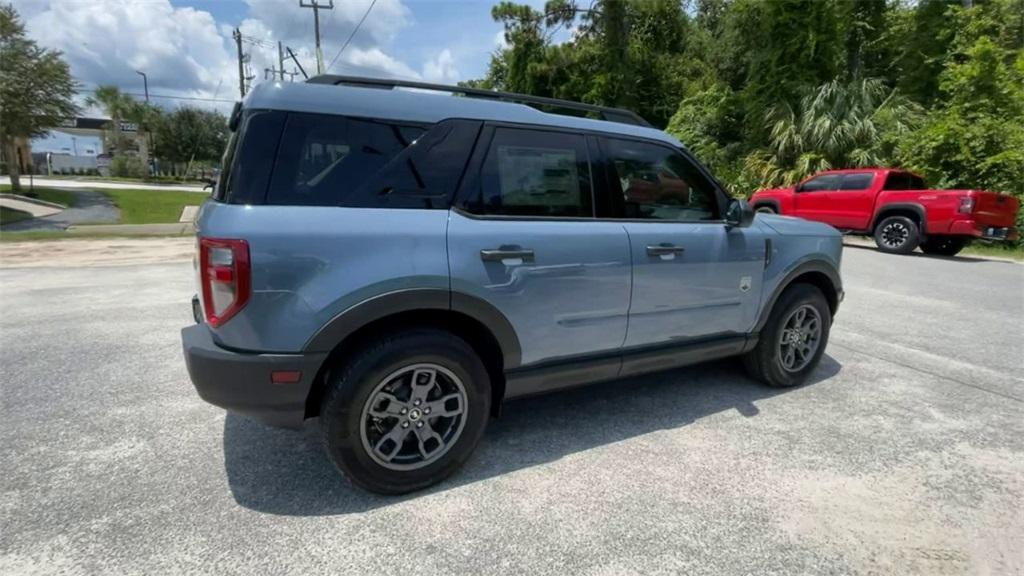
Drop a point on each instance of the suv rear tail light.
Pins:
(226, 278)
(966, 205)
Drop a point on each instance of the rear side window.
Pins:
(821, 183)
(860, 181)
(322, 160)
(535, 173)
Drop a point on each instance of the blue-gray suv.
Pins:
(398, 259)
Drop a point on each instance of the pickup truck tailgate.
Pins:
(997, 210)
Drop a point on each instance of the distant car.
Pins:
(896, 208)
(398, 263)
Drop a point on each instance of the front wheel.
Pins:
(943, 245)
(897, 235)
(793, 340)
(405, 412)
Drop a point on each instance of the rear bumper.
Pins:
(978, 230)
(240, 382)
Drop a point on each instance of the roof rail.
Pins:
(620, 115)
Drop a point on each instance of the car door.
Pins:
(813, 198)
(851, 203)
(522, 236)
(693, 277)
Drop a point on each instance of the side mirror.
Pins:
(739, 214)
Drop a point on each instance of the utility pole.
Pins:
(280, 59)
(145, 84)
(317, 7)
(296, 60)
(237, 35)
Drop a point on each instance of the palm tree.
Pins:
(834, 126)
(121, 107)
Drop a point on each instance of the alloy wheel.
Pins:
(413, 416)
(895, 234)
(800, 338)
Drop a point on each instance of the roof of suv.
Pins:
(424, 106)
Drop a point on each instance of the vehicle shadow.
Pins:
(957, 258)
(288, 473)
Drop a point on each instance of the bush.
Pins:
(127, 167)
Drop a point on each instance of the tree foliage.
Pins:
(768, 92)
(191, 133)
(36, 88)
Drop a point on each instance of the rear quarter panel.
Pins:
(311, 263)
(940, 206)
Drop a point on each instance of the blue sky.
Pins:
(186, 49)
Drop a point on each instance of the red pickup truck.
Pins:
(896, 208)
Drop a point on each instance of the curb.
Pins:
(31, 200)
(848, 241)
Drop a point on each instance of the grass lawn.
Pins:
(56, 235)
(65, 197)
(10, 215)
(152, 206)
(1001, 250)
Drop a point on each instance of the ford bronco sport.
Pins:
(400, 262)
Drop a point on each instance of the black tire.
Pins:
(765, 209)
(342, 415)
(943, 245)
(897, 235)
(764, 362)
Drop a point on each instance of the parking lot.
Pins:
(905, 454)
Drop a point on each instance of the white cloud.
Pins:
(185, 52)
(442, 68)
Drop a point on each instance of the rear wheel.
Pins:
(405, 412)
(897, 235)
(793, 340)
(943, 245)
(765, 210)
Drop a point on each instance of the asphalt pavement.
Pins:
(905, 454)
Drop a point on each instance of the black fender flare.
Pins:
(390, 303)
(774, 204)
(819, 266)
(914, 207)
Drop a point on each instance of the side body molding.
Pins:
(390, 303)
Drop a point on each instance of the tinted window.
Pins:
(658, 183)
(323, 159)
(250, 157)
(425, 174)
(904, 181)
(861, 181)
(534, 173)
(821, 183)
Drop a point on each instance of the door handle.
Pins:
(664, 249)
(506, 253)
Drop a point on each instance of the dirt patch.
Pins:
(96, 252)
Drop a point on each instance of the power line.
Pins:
(171, 97)
(352, 35)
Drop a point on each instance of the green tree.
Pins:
(188, 134)
(36, 89)
(976, 138)
(834, 126)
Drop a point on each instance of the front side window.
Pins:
(535, 173)
(859, 181)
(821, 183)
(658, 183)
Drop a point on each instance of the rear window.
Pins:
(860, 181)
(904, 181)
(250, 157)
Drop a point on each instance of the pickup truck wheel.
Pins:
(943, 245)
(406, 411)
(765, 210)
(897, 235)
(793, 339)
